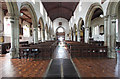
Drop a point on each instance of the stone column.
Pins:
(74, 36)
(78, 37)
(105, 30)
(35, 34)
(71, 36)
(109, 36)
(98, 30)
(119, 27)
(14, 50)
(48, 36)
(87, 35)
(43, 35)
(113, 37)
(40, 35)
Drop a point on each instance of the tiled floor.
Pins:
(97, 67)
(87, 67)
(22, 67)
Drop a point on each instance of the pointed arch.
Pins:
(41, 22)
(32, 12)
(81, 30)
(12, 8)
(90, 13)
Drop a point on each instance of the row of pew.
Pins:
(42, 50)
(5, 47)
(78, 49)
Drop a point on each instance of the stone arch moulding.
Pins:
(12, 8)
(41, 22)
(32, 12)
(49, 30)
(60, 27)
(90, 12)
(80, 22)
(46, 28)
(112, 8)
(81, 30)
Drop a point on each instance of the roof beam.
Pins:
(25, 14)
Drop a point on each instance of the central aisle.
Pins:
(61, 65)
(61, 52)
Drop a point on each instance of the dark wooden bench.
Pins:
(44, 50)
(78, 49)
(5, 47)
(87, 51)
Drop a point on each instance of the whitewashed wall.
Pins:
(65, 25)
(82, 9)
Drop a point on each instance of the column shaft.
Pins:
(35, 35)
(78, 36)
(105, 30)
(86, 34)
(14, 50)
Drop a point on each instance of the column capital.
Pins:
(113, 16)
(35, 28)
(12, 17)
(87, 28)
(106, 18)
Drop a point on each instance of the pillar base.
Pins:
(13, 53)
(112, 55)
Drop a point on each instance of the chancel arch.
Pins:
(60, 33)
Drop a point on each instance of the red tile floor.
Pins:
(22, 67)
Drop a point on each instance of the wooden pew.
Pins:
(78, 49)
(45, 50)
(5, 47)
(85, 51)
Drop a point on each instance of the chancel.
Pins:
(71, 39)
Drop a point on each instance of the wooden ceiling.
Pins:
(60, 9)
(26, 15)
(4, 7)
(54, 9)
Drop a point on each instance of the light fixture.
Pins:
(101, 15)
(21, 14)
